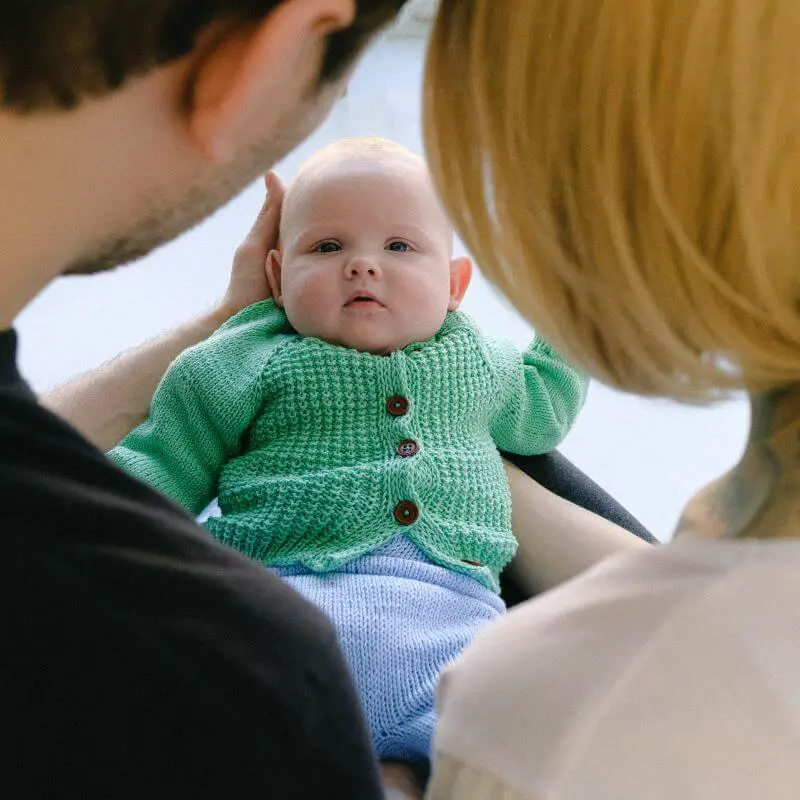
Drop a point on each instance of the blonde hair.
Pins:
(628, 174)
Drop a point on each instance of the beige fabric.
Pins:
(671, 673)
(453, 778)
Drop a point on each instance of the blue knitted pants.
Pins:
(401, 620)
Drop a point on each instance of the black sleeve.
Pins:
(559, 475)
(141, 658)
(177, 675)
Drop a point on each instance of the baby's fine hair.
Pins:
(355, 150)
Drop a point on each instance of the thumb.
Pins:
(264, 232)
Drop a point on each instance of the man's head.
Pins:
(123, 123)
(366, 249)
(54, 54)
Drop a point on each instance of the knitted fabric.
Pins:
(400, 620)
(295, 436)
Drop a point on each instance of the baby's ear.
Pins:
(274, 261)
(460, 276)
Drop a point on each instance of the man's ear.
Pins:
(274, 263)
(460, 276)
(250, 76)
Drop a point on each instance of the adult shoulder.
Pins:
(668, 672)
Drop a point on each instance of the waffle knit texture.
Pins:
(401, 620)
(294, 436)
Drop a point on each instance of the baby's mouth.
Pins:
(361, 300)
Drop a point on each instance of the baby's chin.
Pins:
(370, 334)
(377, 343)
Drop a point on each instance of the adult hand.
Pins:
(248, 282)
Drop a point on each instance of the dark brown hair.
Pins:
(55, 53)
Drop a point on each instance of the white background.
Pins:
(652, 456)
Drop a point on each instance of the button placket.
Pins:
(400, 417)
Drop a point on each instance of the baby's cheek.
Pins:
(430, 298)
(307, 299)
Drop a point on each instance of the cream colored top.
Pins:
(668, 673)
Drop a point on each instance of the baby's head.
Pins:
(366, 249)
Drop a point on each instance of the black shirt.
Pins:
(141, 658)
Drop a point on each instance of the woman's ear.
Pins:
(274, 264)
(249, 77)
(460, 276)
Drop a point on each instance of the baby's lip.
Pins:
(362, 297)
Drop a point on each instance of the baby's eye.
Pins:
(399, 246)
(327, 247)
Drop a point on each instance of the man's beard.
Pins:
(168, 216)
(162, 217)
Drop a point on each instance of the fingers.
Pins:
(264, 233)
(274, 184)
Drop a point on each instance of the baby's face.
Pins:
(365, 260)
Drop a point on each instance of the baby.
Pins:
(350, 426)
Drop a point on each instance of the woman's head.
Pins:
(629, 175)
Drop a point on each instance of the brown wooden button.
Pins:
(406, 512)
(397, 405)
(407, 448)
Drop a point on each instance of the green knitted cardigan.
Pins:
(299, 440)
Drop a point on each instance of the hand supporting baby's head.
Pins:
(366, 249)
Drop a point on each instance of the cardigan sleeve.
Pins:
(205, 403)
(540, 397)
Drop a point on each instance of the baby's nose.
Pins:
(362, 266)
